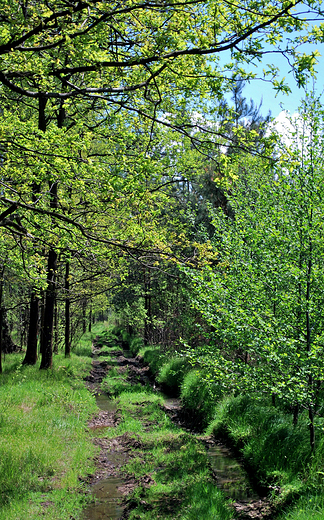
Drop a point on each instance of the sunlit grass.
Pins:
(44, 446)
(174, 460)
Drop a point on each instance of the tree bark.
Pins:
(84, 324)
(67, 310)
(31, 352)
(1, 316)
(147, 306)
(90, 317)
(55, 348)
(46, 347)
(311, 427)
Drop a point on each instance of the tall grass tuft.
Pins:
(198, 397)
(172, 373)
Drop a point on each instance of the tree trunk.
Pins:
(56, 340)
(84, 323)
(1, 316)
(42, 321)
(311, 427)
(31, 352)
(46, 347)
(308, 339)
(90, 317)
(147, 306)
(67, 310)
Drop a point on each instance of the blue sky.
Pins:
(259, 89)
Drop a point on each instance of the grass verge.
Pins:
(276, 452)
(45, 449)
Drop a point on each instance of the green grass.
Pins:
(153, 357)
(198, 397)
(310, 506)
(44, 446)
(277, 453)
(172, 373)
(175, 462)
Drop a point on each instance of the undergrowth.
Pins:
(275, 451)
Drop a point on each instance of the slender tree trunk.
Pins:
(31, 352)
(42, 321)
(308, 336)
(84, 323)
(50, 296)
(147, 306)
(311, 427)
(90, 317)
(1, 316)
(47, 350)
(67, 310)
(55, 348)
(47, 354)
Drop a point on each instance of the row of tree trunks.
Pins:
(50, 308)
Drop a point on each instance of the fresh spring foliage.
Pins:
(263, 297)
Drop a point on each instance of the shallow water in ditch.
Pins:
(106, 404)
(106, 492)
(231, 477)
(107, 496)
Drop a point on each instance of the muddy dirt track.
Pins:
(116, 452)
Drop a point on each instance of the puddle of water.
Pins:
(107, 506)
(231, 478)
(172, 403)
(105, 403)
(107, 495)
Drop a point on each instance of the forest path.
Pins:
(145, 441)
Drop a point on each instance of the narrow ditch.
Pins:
(111, 488)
